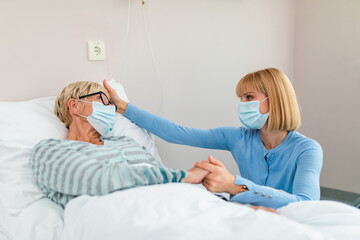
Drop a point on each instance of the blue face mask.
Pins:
(250, 116)
(102, 117)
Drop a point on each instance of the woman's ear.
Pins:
(73, 106)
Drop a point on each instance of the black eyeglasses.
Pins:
(104, 99)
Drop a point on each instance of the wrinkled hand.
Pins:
(195, 175)
(114, 98)
(219, 179)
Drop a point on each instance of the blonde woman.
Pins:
(278, 165)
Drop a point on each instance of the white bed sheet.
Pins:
(184, 211)
(176, 211)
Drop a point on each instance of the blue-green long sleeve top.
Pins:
(287, 173)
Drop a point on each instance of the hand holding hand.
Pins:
(114, 98)
(195, 175)
(219, 179)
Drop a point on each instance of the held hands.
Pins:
(114, 97)
(219, 179)
(195, 175)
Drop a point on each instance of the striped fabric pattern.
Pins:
(64, 169)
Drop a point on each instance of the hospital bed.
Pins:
(167, 211)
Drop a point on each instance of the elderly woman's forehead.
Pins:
(97, 88)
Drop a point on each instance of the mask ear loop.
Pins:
(263, 99)
(78, 113)
(261, 102)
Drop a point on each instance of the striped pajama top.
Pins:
(65, 169)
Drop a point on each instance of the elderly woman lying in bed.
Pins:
(89, 163)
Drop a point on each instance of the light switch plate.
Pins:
(96, 51)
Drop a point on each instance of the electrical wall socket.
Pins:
(96, 51)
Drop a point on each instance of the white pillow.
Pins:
(22, 126)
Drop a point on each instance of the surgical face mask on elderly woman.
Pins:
(102, 117)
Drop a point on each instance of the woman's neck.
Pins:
(85, 133)
(272, 139)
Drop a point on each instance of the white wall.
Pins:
(44, 44)
(202, 48)
(327, 81)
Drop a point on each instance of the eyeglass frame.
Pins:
(101, 97)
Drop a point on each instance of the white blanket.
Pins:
(184, 211)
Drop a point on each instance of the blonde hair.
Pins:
(74, 90)
(284, 112)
